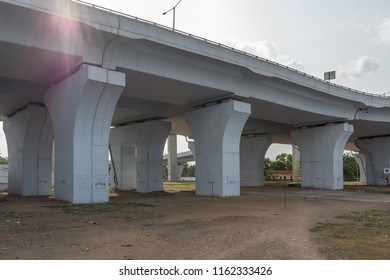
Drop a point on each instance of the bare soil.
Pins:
(174, 224)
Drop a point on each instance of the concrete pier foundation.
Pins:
(173, 170)
(217, 130)
(81, 109)
(252, 152)
(321, 151)
(361, 161)
(376, 152)
(137, 153)
(30, 142)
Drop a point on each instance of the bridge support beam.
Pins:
(252, 152)
(376, 152)
(217, 133)
(30, 143)
(81, 108)
(144, 143)
(361, 161)
(173, 168)
(321, 151)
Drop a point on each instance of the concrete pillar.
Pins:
(191, 147)
(148, 140)
(252, 152)
(180, 168)
(127, 169)
(172, 158)
(30, 140)
(322, 154)
(376, 152)
(217, 133)
(296, 163)
(81, 109)
(361, 161)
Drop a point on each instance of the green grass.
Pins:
(187, 183)
(180, 186)
(359, 236)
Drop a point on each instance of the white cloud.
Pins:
(267, 50)
(359, 67)
(384, 31)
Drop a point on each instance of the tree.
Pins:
(165, 172)
(350, 168)
(188, 170)
(267, 168)
(3, 160)
(282, 162)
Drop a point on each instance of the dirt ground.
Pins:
(169, 225)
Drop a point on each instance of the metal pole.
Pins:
(285, 196)
(174, 13)
(174, 17)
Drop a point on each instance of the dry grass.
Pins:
(359, 235)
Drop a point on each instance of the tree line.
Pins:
(284, 162)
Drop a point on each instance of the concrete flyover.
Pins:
(88, 78)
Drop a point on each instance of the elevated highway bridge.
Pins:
(91, 78)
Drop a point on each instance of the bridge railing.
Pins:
(383, 95)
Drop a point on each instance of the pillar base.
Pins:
(321, 151)
(377, 157)
(30, 141)
(144, 170)
(252, 152)
(217, 132)
(81, 108)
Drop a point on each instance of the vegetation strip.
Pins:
(358, 236)
(98, 208)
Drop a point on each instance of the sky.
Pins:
(351, 37)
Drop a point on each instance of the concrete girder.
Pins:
(217, 132)
(81, 109)
(252, 152)
(321, 150)
(376, 152)
(144, 143)
(30, 141)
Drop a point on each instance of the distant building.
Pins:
(281, 175)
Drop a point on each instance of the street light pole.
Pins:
(174, 13)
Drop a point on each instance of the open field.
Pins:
(175, 224)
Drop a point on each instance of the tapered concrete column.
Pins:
(148, 139)
(81, 108)
(191, 147)
(217, 133)
(252, 152)
(180, 168)
(322, 154)
(172, 158)
(30, 141)
(377, 154)
(127, 169)
(361, 161)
